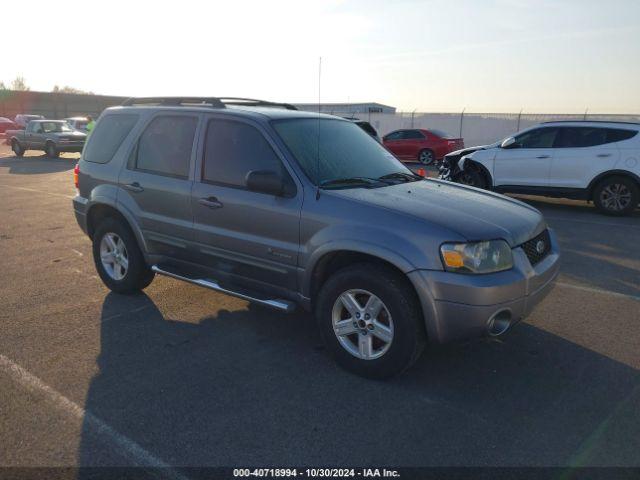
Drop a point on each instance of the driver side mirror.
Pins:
(508, 142)
(265, 181)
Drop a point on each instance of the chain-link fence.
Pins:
(475, 128)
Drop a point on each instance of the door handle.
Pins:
(133, 187)
(211, 202)
(543, 156)
(604, 155)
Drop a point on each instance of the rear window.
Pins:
(165, 146)
(618, 135)
(106, 138)
(441, 133)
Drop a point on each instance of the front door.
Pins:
(155, 185)
(527, 162)
(249, 237)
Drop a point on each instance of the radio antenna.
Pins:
(318, 150)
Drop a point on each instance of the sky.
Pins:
(541, 56)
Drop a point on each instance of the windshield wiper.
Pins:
(365, 181)
(409, 177)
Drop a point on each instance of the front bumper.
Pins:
(457, 306)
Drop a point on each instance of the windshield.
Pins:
(53, 127)
(346, 151)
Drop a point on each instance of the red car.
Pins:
(419, 145)
(6, 124)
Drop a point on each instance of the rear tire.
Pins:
(616, 196)
(398, 320)
(426, 157)
(51, 150)
(17, 148)
(118, 258)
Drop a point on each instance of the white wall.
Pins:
(477, 128)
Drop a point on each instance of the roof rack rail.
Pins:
(252, 102)
(174, 101)
(214, 102)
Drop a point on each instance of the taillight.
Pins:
(76, 173)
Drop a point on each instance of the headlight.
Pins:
(477, 257)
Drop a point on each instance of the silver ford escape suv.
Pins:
(294, 209)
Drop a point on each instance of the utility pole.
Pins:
(461, 117)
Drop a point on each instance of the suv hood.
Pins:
(472, 213)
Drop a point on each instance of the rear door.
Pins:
(528, 161)
(156, 183)
(414, 141)
(581, 154)
(249, 237)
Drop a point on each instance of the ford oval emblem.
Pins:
(540, 247)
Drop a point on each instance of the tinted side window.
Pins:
(233, 149)
(538, 138)
(618, 135)
(107, 137)
(575, 137)
(395, 135)
(165, 145)
(413, 134)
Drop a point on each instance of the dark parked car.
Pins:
(424, 146)
(367, 127)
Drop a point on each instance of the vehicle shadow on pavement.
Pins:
(253, 387)
(37, 165)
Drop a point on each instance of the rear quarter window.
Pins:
(107, 137)
(619, 134)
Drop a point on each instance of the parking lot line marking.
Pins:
(37, 191)
(598, 290)
(606, 224)
(136, 452)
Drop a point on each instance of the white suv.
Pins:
(595, 161)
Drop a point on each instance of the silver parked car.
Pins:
(286, 208)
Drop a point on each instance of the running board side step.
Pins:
(279, 304)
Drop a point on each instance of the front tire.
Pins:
(616, 196)
(118, 258)
(371, 320)
(473, 178)
(17, 148)
(426, 157)
(51, 150)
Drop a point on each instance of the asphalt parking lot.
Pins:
(186, 377)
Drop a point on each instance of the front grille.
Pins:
(530, 247)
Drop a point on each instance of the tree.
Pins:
(68, 89)
(19, 84)
(2, 86)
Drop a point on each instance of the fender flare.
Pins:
(623, 173)
(394, 258)
(484, 170)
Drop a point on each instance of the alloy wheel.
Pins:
(362, 324)
(615, 197)
(426, 157)
(114, 256)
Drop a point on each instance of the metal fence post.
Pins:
(412, 115)
(519, 116)
(461, 118)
